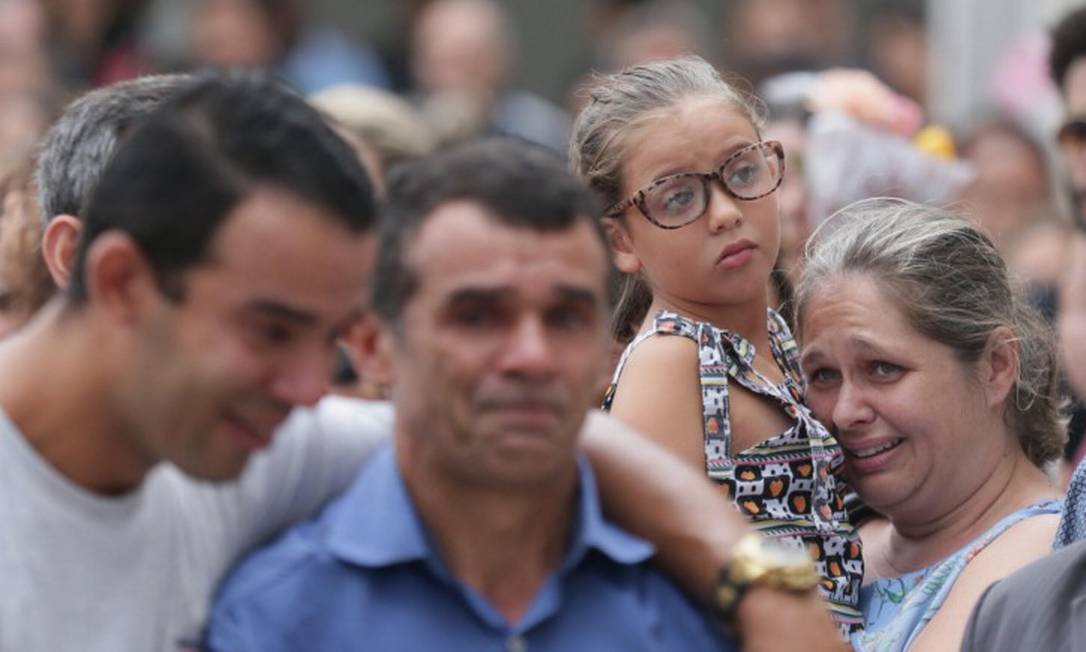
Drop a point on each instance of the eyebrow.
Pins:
(278, 310)
(577, 294)
(723, 156)
(859, 344)
(564, 292)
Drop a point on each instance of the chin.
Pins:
(220, 472)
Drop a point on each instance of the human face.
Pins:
(725, 257)
(255, 333)
(500, 348)
(1074, 149)
(912, 419)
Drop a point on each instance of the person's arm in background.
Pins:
(656, 495)
(1072, 314)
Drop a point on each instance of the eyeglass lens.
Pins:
(680, 199)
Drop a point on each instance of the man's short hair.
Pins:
(181, 172)
(1068, 45)
(75, 151)
(521, 185)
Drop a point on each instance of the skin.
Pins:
(680, 265)
(875, 380)
(494, 362)
(233, 33)
(203, 382)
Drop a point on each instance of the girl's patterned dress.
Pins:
(788, 485)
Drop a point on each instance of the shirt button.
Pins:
(516, 644)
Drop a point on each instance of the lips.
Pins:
(255, 433)
(873, 455)
(735, 254)
(871, 451)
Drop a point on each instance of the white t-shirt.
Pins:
(79, 571)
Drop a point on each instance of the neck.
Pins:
(55, 386)
(747, 319)
(501, 542)
(917, 541)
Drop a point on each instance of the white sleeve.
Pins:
(316, 454)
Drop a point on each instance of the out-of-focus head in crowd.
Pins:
(1010, 188)
(463, 54)
(656, 30)
(770, 37)
(77, 149)
(462, 46)
(243, 33)
(1067, 63)
(388, 124)
(25, 284)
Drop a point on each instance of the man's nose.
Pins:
(528, 350)
(304, 378)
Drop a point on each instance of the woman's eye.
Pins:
(822, 376)
(882, 369)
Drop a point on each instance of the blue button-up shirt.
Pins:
(366, 575)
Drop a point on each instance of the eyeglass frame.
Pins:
(638, 199)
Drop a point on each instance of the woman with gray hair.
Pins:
(940, 384)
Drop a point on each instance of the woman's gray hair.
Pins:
(953, 287)
(621, 102)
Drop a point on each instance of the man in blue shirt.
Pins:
(478, 529)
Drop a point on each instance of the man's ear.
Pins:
(618, 238)
(999, 365)
(118, 278)
(59, 246)
(367, 346)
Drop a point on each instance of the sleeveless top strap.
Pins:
(897, 609)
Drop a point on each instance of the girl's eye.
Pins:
(678, 200)
(744, 175)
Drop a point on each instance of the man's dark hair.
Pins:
(173, 182)
(75, 151)
(521, 185)
(1068, 45)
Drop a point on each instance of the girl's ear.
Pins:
(626, 259)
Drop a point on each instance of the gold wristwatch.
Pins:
(756, 561)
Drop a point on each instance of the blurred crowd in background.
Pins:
(847, 86)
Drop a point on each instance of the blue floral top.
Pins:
(896, 609)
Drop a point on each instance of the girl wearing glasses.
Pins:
(710, 371)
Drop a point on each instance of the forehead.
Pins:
(462, 245)
(279, 245)
(854, 304)
(694, 134)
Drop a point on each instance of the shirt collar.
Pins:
(375, 523)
